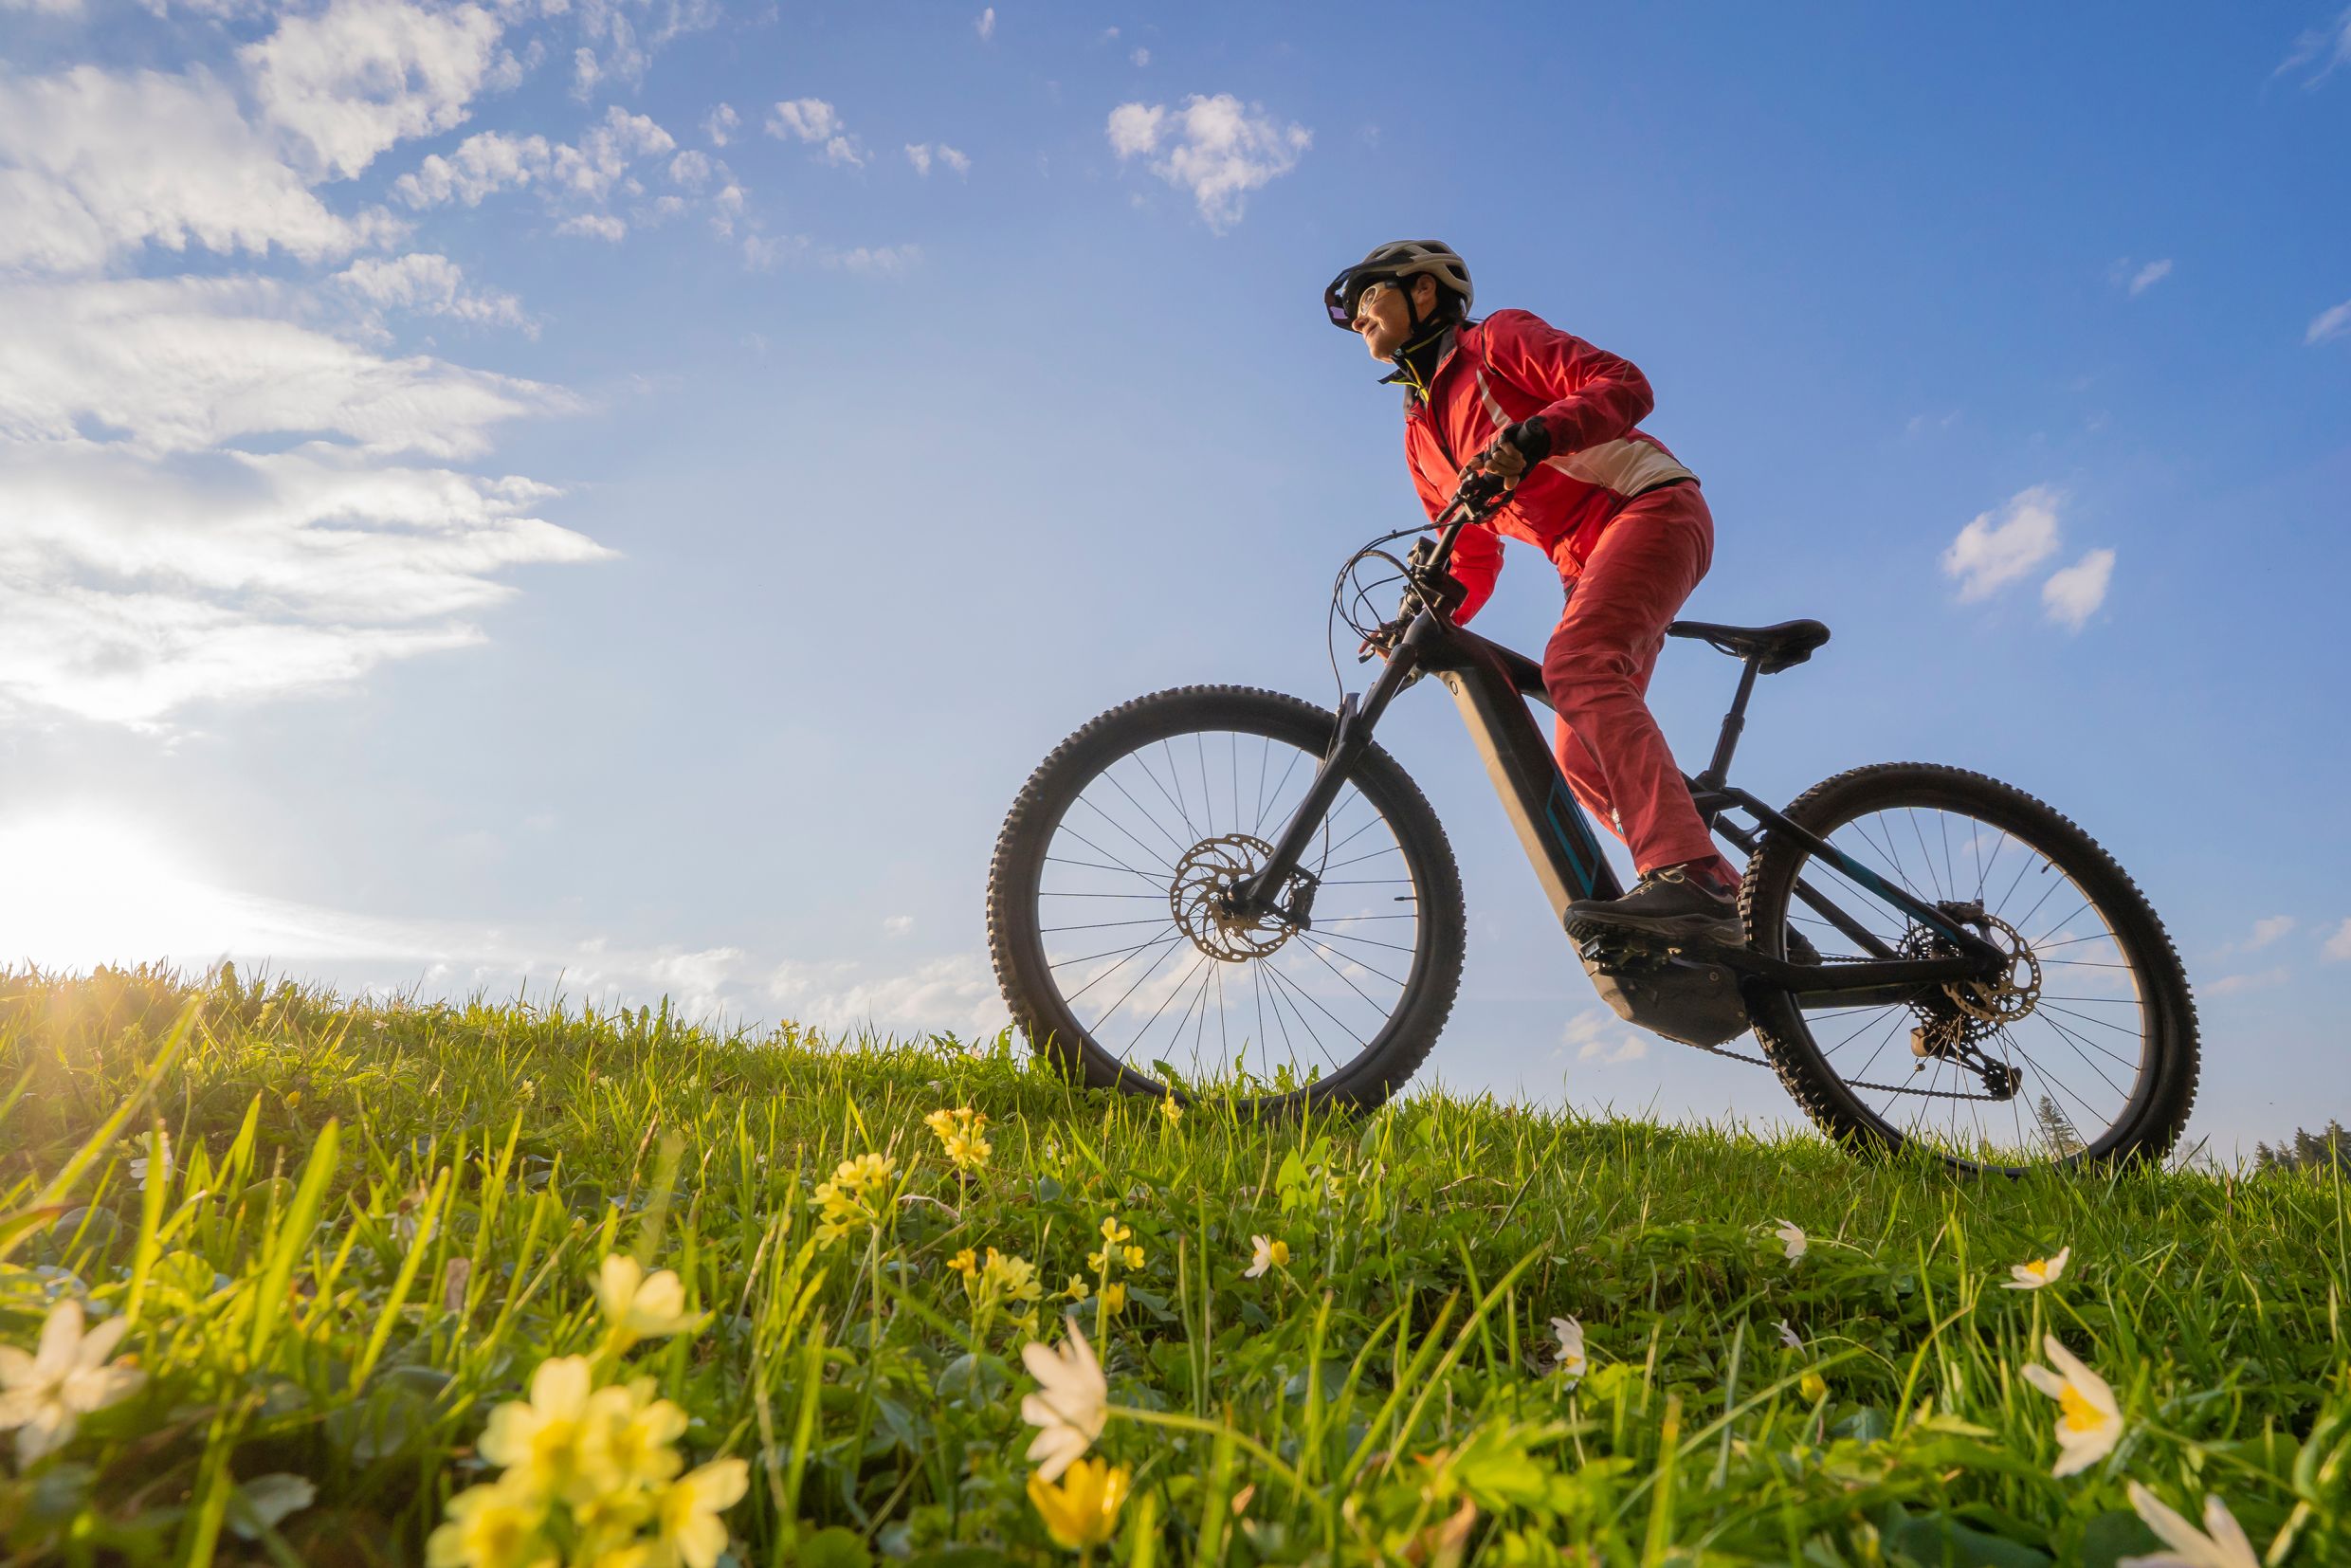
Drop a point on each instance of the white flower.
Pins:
(1070, 1407)
(2224, 1546)
(1570, 1363)
(1265, 1252)
(2040, 1271)
(1794, 1239)
(2089, 1423)
(44, 1395)
(1788, 1336)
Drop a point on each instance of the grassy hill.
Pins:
(354, 1288)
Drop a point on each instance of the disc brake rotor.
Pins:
(2010, 996)
(1201, 898)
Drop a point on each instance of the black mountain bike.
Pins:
(1222, 885)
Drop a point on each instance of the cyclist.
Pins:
(1554, 419)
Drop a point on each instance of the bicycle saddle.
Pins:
(1774, 647)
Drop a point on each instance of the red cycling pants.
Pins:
(1597, 670)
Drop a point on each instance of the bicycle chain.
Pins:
(1857, 1084)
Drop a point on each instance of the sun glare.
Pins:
(81, 890)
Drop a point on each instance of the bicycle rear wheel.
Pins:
(2083, 1049)
(1119, 964)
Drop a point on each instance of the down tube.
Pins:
(1552, 828)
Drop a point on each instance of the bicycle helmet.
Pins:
(1390, 263)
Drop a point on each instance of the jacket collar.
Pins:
(1434, 353)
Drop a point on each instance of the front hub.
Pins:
(1203, 899)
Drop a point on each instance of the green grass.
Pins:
(382, 1218)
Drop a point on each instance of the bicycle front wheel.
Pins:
(1123, 967)
(2084, 1049)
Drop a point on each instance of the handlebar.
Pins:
(1428, 583)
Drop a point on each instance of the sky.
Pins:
(609, 499)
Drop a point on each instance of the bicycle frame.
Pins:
(1491, 684)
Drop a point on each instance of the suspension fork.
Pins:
(1253, 897)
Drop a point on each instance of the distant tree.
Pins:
(2308, 1151)
(2058, 1128)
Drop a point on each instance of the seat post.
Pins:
(1733, 722)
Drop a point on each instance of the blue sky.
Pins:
(491, 492)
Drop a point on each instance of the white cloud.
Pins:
(2327, 47)
(812, 119)
(1134, 128)
(364, 73)
(897, 925)
(2328, 324)
(628, 32)
(985, 24)
(593, 226)
(953, 993)
(922, 154)
(721, 124)
(148, 561)
(93, 166)
(588, 170)
(431, 284)
(1215, 148)
(2338, 948)
(2072, 594)
(2266, 930)
(808, 118)
(690, 169)
(1602, 1038)
(888, 261)
(1140, 57)
(481, 166)
(1999, 547)
(179, 365)
(2230, 985)
(2148, 276)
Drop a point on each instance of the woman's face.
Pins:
(1381, 319)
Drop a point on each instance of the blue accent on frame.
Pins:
(1563, 828)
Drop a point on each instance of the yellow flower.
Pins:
(639, 1308)
(691, 1531)
(492, 1526)
(1134, 1257)
(958, 1133)
(1813, 1386)
(1072, 1404)
(1265, 1252)
(1010, 1279)
(539, 1443)
(2040, 1271)
(1170, 1111)
(1113, 1232)
(965, 1262)
(628, 1436)
(852, 1200)
(1078, 1289)
(1097, 1262)
(2089, 1423)
(1083, 1509)
(44, 1395)
(293, 1098)
(2221, 1543)
(1112, 1298)
(1571, 1362)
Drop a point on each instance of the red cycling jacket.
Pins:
(1508, 367)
